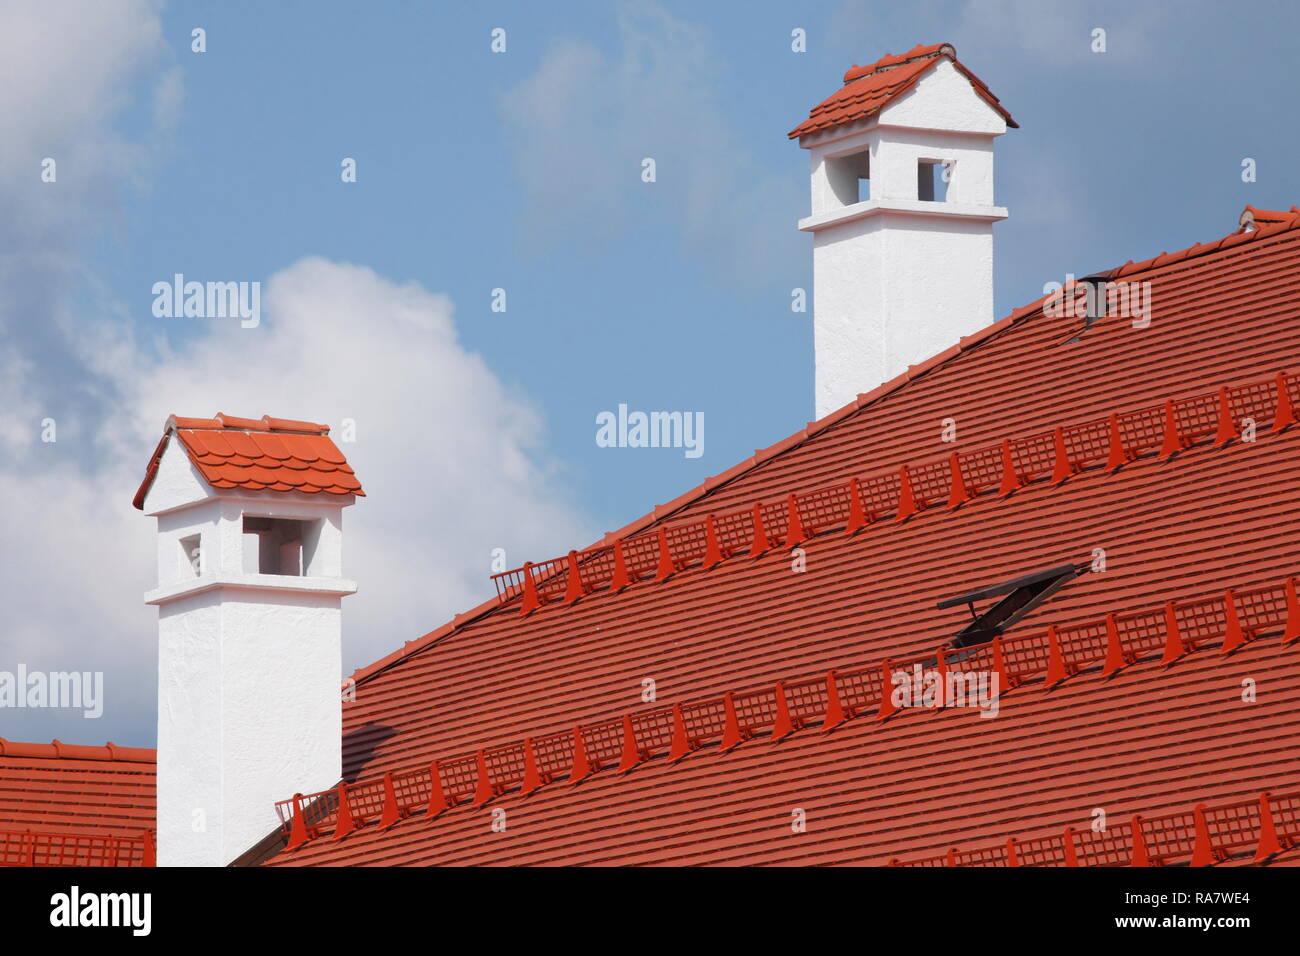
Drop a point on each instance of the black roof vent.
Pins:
(1096, 300)
(1019, 596)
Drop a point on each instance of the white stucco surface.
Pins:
(248, 713)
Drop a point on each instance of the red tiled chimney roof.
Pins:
(868, 89)
(271, 454)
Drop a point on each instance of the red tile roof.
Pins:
(822, 702)
(273, 454)
(868, 89)
(69, 805)
(1188, 525)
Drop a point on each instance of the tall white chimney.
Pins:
(249, 626)
(902, 217)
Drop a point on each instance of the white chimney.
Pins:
(249, 627)
(902, 217)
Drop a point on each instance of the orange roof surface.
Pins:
(868, 89)
(271, 454)
(1160, 459)
(69, 805)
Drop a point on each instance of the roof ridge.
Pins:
(58, 749)
(1286, 223)
(1001, 469)
(1153, 841)
(223, 422)
(1238, 616)
(891, 60)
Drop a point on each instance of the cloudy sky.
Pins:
(519, 171)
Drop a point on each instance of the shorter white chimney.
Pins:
(249, 628)
(902, 218)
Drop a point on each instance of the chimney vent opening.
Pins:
(191, 556)
(278, 545)
(932, 176)
(850, 177)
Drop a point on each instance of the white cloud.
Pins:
(448, 456)
(68, 67)
(68, 72)
(446, 453)
(451, 458)
(581, 124)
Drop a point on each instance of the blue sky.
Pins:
(518, 170)
(1120, 155)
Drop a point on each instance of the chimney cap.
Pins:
(257, 454)
(869, 89)
(889, 61)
